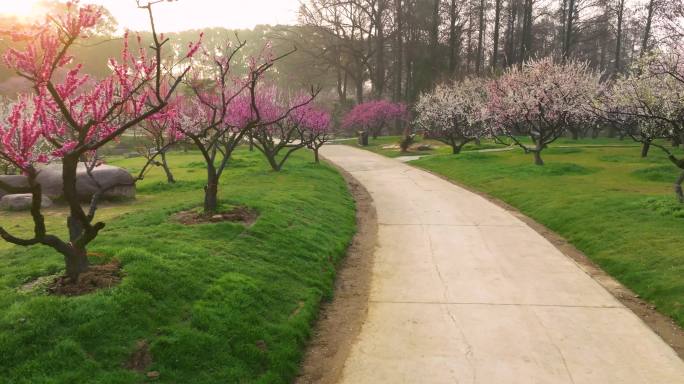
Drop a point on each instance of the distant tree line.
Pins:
(399, 48)
(358, 50)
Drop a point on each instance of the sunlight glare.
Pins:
(19, 8)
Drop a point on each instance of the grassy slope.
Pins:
(217, 302)
(615, 207)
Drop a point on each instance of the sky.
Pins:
(182, 14)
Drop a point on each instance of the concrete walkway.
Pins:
(464, 292)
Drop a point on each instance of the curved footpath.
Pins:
(464, 292)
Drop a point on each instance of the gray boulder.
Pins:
(16, 181)
(118, 183)
(21, 202)
(422, 147)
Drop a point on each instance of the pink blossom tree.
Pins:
(163, 131)
(70, 120)
(226, 107)
(288, 134)
(541, 100)
(316, 124)
(455, 113)
(374, 116)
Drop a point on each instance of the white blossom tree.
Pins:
(454, 113)
(541, 100)
(647, 104)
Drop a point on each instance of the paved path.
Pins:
(464, 292)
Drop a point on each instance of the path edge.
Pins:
(340, 321)
(663, 326)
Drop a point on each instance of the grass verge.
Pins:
(208, 303)
(389, 145)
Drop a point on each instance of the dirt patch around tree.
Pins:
(662, 325)
(340, 321)
(96, 277)
(240, 214)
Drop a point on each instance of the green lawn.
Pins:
(614, 206)
(218, 303)
(388, 145)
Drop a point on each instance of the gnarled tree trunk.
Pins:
(211, 191)
(169, 176)
(645, 146)
(537, 153)
(75, 253)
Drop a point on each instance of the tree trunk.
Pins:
(618, 36)
(340, 93)
(344, 86)
(644, 149)
(376, 131)
(676, 141)
(526, 35)
(434, 38)
(537, 157)
(538, 148)
(359, 89)
(398, 55)
(678, 188)
(316, 157)
(273, 162)
(495, 49)
(167, 170)
(211, 192)
(452, 37)
(76, 258)
(76, 261)
(569, 30)
(647, 28)
(509, 42)
(480, 38)
(379, 83)
(563, 21)
(469, 40)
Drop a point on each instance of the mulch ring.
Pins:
(96, 277)
(239, 214)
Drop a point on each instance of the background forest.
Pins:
(363, 49)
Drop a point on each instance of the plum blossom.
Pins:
(542, 100)
(19, 139)
(69, 121)
(286, 125)
(454, 113)
(374, 115)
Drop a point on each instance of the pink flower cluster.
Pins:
(167, 123)
(312, 118)
(18, 136)
(81, 113)
(374, 113)
(42, 54)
